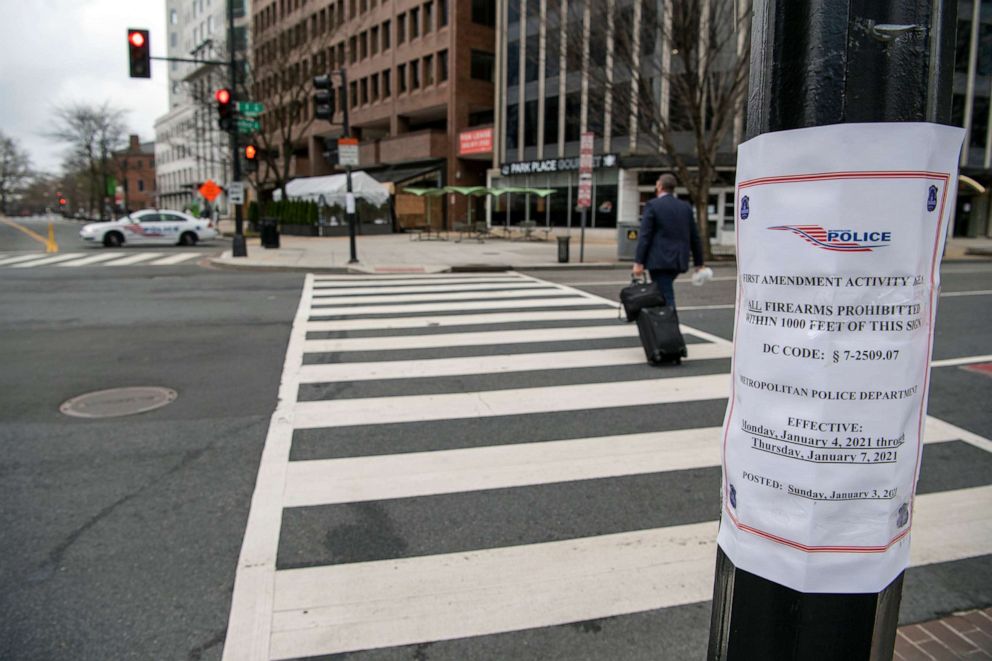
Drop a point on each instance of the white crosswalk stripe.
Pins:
(95, 259)
(358, 605)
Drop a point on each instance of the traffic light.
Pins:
(251, 158)
(225, 109)
(139, 53)
(323, 98)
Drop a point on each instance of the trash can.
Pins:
(269, 233)
(627, 234)
(563, 249)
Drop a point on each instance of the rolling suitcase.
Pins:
(639, 294)
(660, 335)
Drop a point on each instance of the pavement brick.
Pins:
(958, 636)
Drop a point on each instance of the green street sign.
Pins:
(248, 125)
(250, 108)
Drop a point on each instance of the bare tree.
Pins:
(676, 71)
(93, 133)
(283, 66)
(15, 169)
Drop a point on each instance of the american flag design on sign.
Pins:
(817, 235)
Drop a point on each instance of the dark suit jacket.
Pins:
(668, 232)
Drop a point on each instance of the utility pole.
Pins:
(324, 100)
(814, 63)
(238, 247)
(350, 201)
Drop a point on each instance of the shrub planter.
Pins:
(298, 230)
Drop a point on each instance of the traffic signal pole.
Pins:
(238, 246)
(814, 63)
(350, 202)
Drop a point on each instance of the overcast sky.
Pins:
(55, 52)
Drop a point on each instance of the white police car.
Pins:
(150, 226)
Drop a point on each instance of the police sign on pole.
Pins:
(585, 169)
(840, 231)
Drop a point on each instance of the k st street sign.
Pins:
(248, 125)
(250, 108)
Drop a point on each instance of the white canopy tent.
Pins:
(333, 188)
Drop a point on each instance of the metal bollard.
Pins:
(563, 249)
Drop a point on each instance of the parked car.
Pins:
(149, 227)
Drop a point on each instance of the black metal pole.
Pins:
(818, 62)
(238, 246)
(350, 201)
(582, 236)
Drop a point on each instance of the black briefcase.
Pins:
(660, 335)
(639, 294)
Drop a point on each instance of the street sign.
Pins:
(248, 125)
(250, 108)
(585, 169)
(236, 192)
(210, 190)
(347, 151)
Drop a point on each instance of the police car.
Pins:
(151, 226)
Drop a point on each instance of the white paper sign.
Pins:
(840, 231)
(236, 192)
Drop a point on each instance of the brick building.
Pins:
(420, 73)
(135, 172)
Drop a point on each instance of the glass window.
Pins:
(374, 40)
(531, 55)
(387, 88)
(961, 50)
(551, 120)
(530, 123)
(414, 75)
(173, 17)
(442, 13)
(442, 66)
(484, 11)
(363, 45)
(620, 109)
(365, 91)
(513, 11)
(428, 70)
(482, 65)
(401, 78)
(985, 49)
(513, 63)
(428, 17)
(511, 125)
(401, 28)
(979, 122)
(375, 87)
(385, 35)
(573, 107)
(552, 55)
(414, 23)
(141, 184)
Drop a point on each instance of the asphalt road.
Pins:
(121, 536)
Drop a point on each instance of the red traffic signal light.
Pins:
(225, 109)
(139, 54)
(61, 201)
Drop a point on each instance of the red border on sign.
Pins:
(828, 176)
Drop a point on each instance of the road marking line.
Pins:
(947, 429)
(320, 280)
(368, 605)
(418, 298)
(517, 401)
(497, 364)
(407, 475)
(21, 258)
(134, 259)
(389, 292)
(459, 320)
(478, 338)
(967, 360)
(48, 260)
(175, 259)
(952, 294)
(48, 243)
(250, 624)
(413, 283)
(86, 261)
(624, 283)
(554, 302)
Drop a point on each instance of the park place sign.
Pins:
(549, 165)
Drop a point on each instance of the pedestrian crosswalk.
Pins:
(91, 258)
(458, 457)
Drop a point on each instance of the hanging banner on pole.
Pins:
(840, 231)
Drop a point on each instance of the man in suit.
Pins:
(668, 233)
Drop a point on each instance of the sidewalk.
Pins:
(403, 253)
(965, 635)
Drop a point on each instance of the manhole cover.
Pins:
(118, 402)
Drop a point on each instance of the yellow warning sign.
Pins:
(632, 235)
